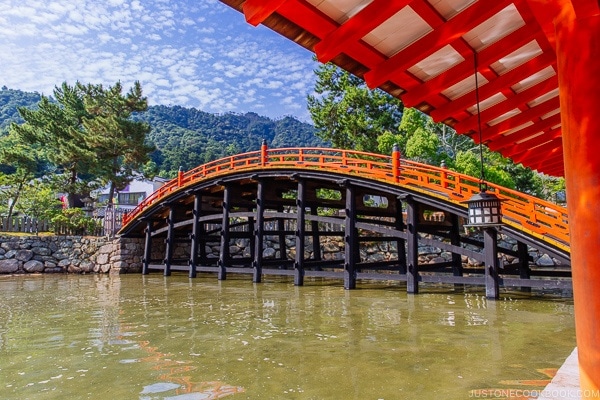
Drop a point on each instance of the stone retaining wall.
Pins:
(84, 254)
(332, 248)
(72, 254)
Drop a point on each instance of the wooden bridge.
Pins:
(303, 196)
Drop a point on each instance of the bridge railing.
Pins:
(544, 219)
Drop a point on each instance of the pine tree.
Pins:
(56, 129)
(118, 141)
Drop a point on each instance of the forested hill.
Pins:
(10, 100)
(188, 137)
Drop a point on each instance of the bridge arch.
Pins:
(277, 193)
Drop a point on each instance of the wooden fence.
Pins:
(110, 221)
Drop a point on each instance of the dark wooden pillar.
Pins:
(224, 250)
(300, 233)
(490, 250)
(202, 243)
(251, 236)
(457, 267)
(524, 270)
(281, 229)
(259, 233)
(400, 243)
(351, 239)
(316, 238)
(195, 236)
(170, 241)
(412, 255)
(147, 249)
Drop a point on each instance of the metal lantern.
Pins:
(485, 210)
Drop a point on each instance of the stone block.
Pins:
(106, 249)
(33, 266)
(10, 245)
(9, 266)
(102, 258)
(86, 266)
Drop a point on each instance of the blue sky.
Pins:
(193, 53)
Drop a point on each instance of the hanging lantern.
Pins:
(485, 210)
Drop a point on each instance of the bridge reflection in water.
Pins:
(301, 197)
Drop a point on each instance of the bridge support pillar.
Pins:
(251, 236)
(259, 233)
(524, 270)
(577, 48)
(490, 251)
(224, 249)
(300, 234)
(350, 239)
(195, 235)
(281, 229)
(170, 242)
(457, 267)
(412, 255)
(316, 239)
(400, 243)
(147, 249)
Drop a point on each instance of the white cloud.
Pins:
(196, 55)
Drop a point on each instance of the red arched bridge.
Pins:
(320, 212)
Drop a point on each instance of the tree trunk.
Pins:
(72, 182)
(11, 208)
(111, 194)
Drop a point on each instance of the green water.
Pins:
(135, 337)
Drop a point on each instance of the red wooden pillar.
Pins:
(180, 177)
(396, 163)
(578, 53)
(263, 153)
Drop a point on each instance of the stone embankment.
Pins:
(83, 254)
(69, 254)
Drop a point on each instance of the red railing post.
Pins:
(444, 175)
(263, 153)
(180, 177)
(396, 163)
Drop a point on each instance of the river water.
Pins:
(151, 337)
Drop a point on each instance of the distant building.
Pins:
(131, 195)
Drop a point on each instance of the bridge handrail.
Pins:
(544, 219)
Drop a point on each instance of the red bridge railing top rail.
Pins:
(542, 219)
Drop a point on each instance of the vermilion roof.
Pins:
(423, 52)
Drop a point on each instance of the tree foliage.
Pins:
(118, 142)
(10, 101)
(56, 129)
(186, 137)
(84, 135)
(350, 116)
(347, 113)
(82, 127)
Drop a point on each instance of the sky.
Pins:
(192, 53)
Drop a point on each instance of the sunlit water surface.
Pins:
(135, 337)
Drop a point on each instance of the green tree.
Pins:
(20, 165)
(56, 129)
(39, 201)
(387, 140)
(118, 141)
(423, 146)
(469, 163)
(347, 113)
